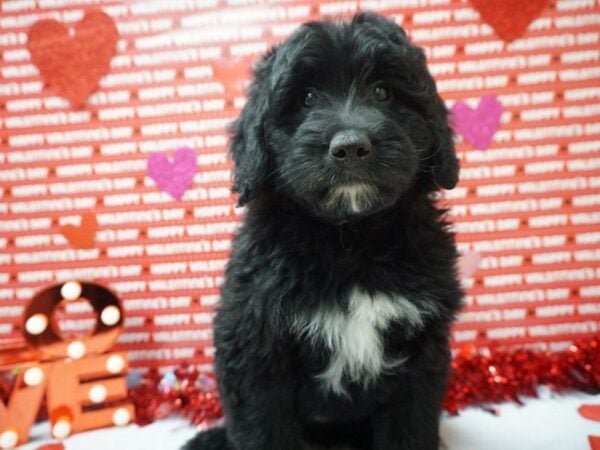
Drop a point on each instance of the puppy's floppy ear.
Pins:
(441, 163)
(248, 147)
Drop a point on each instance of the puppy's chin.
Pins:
(356, 198)
(352, 200)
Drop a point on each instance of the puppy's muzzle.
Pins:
(351, 147)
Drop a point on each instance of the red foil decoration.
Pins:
(476, 379)
(192, 395)
(482, 379)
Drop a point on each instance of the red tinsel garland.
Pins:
(494, 377)
(476, 379)
(189, 393)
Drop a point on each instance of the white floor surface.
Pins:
(549, 423)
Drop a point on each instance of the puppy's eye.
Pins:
(380, 93)
(310, 98)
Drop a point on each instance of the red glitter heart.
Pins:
(509, 18)
(72, 65)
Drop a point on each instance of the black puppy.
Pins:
(335, 314)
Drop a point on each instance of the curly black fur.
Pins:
(303, 250)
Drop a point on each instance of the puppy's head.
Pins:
(343, 119)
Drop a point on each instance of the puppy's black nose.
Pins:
(350, 146)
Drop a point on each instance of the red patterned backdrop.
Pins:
(79, 198)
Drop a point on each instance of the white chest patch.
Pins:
(355, 336)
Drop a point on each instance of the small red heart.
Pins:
(591, 412)
(73, 65)
(232, 72)
(594, 442)
(52, 446)
(509, 18)
(81, 236)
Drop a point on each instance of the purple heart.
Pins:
(478, 125)
(176, 176)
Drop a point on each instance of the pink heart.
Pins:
(468, 263)
(176, 176)
(478, 125)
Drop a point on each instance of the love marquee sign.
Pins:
(84, 384)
